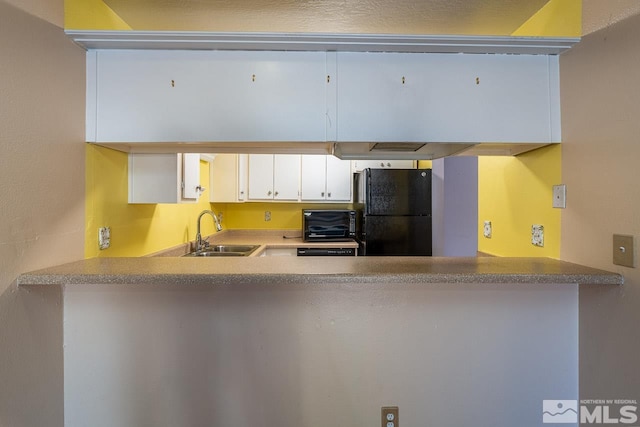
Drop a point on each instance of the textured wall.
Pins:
(294, 355)
(600, 152)
(41, 205)
(599, 14)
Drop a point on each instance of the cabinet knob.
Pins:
(276, 193)
(269, 193)
(329, 195)
(322, 194)
(388, 164)
(381, 164)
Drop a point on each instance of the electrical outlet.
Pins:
(560, 196)
(104, 237)
(487, 229)
(537, 235)
(624, 250)
(267, 215)
(389, 416)
(220, 217)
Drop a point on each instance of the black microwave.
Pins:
(328, 225)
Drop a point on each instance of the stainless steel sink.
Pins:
(224, 250)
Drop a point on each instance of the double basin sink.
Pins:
(224, 250)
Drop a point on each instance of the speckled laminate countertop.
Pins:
(266, 239)
(317, 270)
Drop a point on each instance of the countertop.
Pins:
(266, 239)
(317, 270)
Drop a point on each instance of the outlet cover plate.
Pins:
(104, 237)
(487, 229)
(537, 235)
(560, 196)
(624, 250)
(389, 416)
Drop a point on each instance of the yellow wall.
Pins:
(514, 193)
(135, 229)
(91, 15)
(142, 229)
(558, 18)
(283, 215)
(138, 230)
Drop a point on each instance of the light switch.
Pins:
(624, 250)
(560, 196)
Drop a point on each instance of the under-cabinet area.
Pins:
(173, 178)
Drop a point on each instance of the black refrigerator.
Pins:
(394, 207)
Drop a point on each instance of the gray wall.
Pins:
(455, 206)
(41, 204)
(600, 94)
(291, 354)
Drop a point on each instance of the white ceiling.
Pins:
(460, 17)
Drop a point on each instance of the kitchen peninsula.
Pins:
(318, 270)
(249, 340)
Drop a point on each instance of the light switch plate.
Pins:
(624, 250)
(537, 235)
(560, 196)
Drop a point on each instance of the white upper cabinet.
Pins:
(493, 98)
(274, 177)
(399, 97)
(228, 178)
(164, 178)
(339, 180)
(231, 96)
(137, 96)
(325, 178)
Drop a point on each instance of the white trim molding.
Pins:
(320, 42)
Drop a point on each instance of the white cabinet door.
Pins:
(274, 177)
(188, 96)
(314, 177)
(339, 179)
(228, 178)
(491, 98)
(325, 178)
(159, 178)
(286, 177)
(446, 98)
(243, 176)
(260, 176)
(270, 96)
(380, 97)
(224, 178)
(150, 96)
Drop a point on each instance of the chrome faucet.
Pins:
(199, 243)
